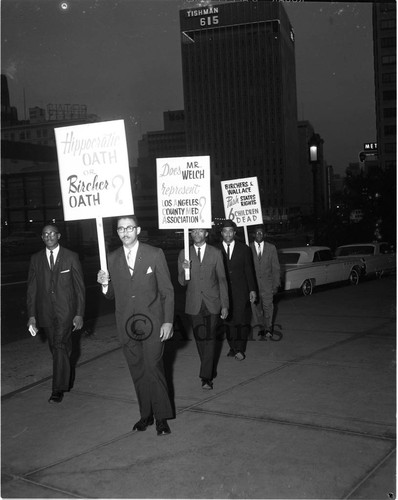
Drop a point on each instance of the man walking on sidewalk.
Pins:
(207, 295)
(55, 301)
(242, 287)
(266, 266)
(139, 281)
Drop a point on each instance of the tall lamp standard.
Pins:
(314, 154)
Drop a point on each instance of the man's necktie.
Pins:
(51, 261)
(199, 256)
(129, 263)
(259, 251)
(228, 252)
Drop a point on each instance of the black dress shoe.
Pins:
(143, 423)
(207, 384)
(240, 356)
(56, 397)
(162, 427)
(261, 334)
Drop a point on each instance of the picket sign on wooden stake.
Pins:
(101, 244)
(186, 252)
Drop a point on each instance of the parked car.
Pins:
(378, 258)
(303, 268)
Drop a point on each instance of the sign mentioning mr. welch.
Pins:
(94, 170)
(184, 199)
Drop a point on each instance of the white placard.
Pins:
(94, 170)
(184, 197)
(242, 202)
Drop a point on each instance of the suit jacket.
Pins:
(65, 296)
(241, 279)
(208, 281)
(267, 269)
(149, 293)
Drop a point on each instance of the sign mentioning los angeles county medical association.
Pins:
(94, 170)
(184, 199)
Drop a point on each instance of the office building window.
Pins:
(390, 41)
(390, 112)
(387, 24)
(389, 77)
(390, 59)
(389, 95)
(390, 130)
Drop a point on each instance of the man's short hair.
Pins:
(51, 224)
(228, 223)
(131, 216)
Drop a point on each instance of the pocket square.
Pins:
(149, 270)
(66, 271)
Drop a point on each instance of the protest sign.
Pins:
(184, 195)
(242, 202)
(94, 170)
(184, 199)
(94, 173)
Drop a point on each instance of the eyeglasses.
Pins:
(50, 234)
(128, 229)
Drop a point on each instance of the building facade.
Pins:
(385, 65)
(239, 81)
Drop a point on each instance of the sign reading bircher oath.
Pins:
(242, 202)
(94, 170)
(184, 198)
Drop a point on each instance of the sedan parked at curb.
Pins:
(304, 268)
(378, 258)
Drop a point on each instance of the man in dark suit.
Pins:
(55, 301)
(266, 266)
(242, 287)
(207, 295)
(139, 281)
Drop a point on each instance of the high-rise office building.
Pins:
(385, 64)
(240, 103)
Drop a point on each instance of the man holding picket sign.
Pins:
(139, 281)
(95, 183)
(206, 299)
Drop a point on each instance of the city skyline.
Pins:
(123, 60)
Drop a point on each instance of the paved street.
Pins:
(312, 415)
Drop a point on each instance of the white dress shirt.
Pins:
(231, 248)
(55, 255)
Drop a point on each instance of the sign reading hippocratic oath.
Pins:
(184, 198)
(242, 202)
(94, 170)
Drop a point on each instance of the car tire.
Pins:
(354, 276)
(306, 288)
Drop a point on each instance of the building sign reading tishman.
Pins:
(231, 13)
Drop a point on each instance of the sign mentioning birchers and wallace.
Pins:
(184, 199)
(242, 202)
(94, 170)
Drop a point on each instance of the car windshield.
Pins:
(356, 250)
(288, 258)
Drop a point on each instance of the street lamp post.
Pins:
(314, 144)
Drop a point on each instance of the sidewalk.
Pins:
(310, 416)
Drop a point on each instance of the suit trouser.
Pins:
(204, 330)
(59, 337)
(263, 312)
(145, 361)
(238, 328)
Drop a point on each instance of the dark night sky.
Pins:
(123, 60)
